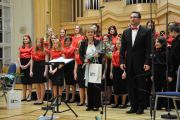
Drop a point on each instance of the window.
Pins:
(5, 32)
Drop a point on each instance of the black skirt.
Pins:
(58, 77)
(119, 85)
(25, 78)
(38, 72)
(69, 73)
(80, 76)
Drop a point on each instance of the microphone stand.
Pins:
(168, 115)
(152, 95)
(105, 89)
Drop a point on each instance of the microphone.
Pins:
(101, 7)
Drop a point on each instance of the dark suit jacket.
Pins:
(135, 57)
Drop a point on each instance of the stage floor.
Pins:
(28, 111)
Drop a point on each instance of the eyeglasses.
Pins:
(134, 17)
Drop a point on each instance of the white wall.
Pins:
(22, 15)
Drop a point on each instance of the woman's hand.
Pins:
(111, 75)
(31, 74)
(124, 75)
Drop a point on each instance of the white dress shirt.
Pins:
(134, 34)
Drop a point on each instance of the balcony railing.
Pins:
(92, 4)
(110, 0)
(129, 2)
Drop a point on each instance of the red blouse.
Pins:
(46, 44)
(78, 60)
(69, 52)
(62, 41)
(56, 54)
(97, 37)
(38, 55)
(116, 59)
(25, 52)
(75, 40)
(114, 39)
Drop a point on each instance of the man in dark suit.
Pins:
(134, 58)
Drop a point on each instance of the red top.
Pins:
(114, 39)
(25, 52)
(56, 54)
(62, 41)
(69, 52)
(97, 37)
(76, 39)
(78, 60)
(169, 40)
(46, 44)
(116, 59)
(38, 55)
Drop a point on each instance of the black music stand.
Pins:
(56, 99)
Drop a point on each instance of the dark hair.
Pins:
(30, 42)
(98, 29)
(152, 24)
(138, 13)
(162, 41)
(68, 38)
(63, 29)
(114, 27)
(175, 27)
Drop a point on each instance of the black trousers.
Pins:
(94, 95)
(136, 85)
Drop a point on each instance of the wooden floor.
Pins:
(28, 111)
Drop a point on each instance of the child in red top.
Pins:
(56, 71)
(79, 71)
(69, 52)
(24, 60)
(38, 69)
(118, 76)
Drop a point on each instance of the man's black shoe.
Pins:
(140, 111)
(132, 110)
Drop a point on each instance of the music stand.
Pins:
(58, 61)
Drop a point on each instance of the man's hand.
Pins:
(123, 66)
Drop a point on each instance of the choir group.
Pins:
(126, 64)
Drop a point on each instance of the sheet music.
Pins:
(61, 59)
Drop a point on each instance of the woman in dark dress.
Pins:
(90, 47)
(160, 67)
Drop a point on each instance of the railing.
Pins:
(92, 4)
(129, 2)
(110, 0)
